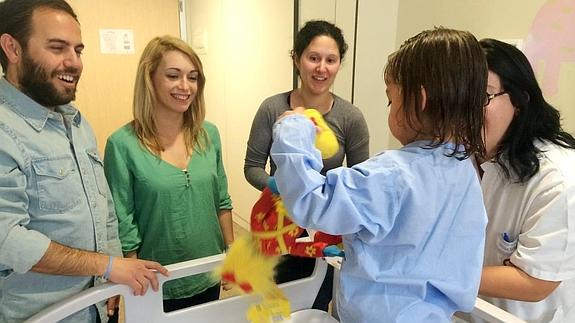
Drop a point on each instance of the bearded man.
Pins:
(58, 228)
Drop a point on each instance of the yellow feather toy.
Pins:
(325, 139)
(251, 260)
(249, 269)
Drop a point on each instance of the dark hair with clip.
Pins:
(450, 67)
(535, 118)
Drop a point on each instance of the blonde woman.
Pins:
(166, 173)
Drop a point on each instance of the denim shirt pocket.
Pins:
(58, 189)
(98, 168)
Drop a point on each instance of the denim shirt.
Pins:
(52, 188)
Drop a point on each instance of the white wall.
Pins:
(246, 55)
(244, 46)
(512, 19)
(377, 29)
(342, 14)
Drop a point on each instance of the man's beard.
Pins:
(36, 84)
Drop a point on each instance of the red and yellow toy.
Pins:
(251, 259)
(277, 234)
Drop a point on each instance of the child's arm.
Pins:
(342, 202)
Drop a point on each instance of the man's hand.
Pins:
(63, 260)
(136, 273)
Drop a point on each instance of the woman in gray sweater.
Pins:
(319, 48)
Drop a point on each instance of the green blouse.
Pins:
(168, 214)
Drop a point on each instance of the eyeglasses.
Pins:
(490, 97)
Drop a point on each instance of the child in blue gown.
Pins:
(412, 219)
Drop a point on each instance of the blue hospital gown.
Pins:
(412, 220)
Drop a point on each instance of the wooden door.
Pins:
(105, 90)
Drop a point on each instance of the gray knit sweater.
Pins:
(345, 119)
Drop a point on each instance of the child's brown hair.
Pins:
(450, 67)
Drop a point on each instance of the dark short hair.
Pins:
(16, 19)
(314, 28)
(449, 64)
(535, 119)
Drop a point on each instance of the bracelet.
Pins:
(108, 271)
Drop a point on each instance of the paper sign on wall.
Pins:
(117, 41)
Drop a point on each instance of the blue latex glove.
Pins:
(272, 185)
(333, 251)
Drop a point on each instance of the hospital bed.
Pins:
(148, 308)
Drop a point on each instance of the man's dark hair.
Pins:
(16, 19)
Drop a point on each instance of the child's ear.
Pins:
(423, 98)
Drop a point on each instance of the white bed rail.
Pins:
(149, 308)
(493, 314)
(484, 310)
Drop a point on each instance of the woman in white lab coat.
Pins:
(528, 182)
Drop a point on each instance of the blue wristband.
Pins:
(108, 271)
(272, 185)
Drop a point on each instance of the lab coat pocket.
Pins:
(505, 247)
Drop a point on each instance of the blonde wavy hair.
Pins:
(145, 97)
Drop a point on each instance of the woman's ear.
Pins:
(296, 63)
(295, 60)
(527, 98)
(423, 98)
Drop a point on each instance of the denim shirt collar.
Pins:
(33, 113)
